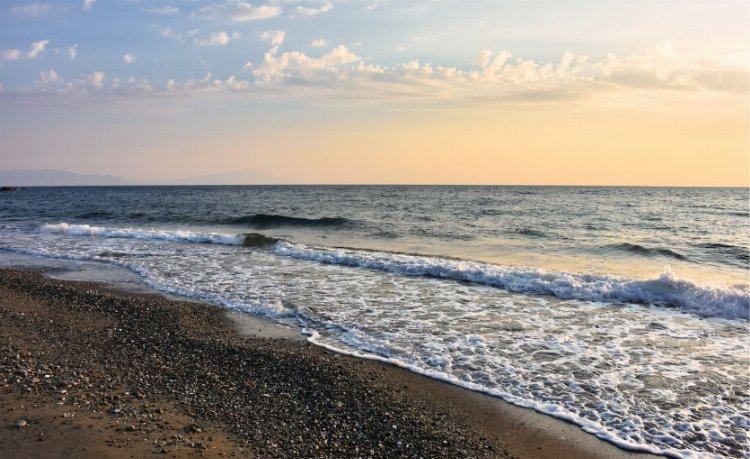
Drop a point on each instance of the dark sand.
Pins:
(87, 372)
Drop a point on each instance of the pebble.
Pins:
(282, 398)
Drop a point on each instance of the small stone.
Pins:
(20, 424)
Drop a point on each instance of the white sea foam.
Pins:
(667, 289)
(137, 233)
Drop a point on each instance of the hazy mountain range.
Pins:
(55, 177)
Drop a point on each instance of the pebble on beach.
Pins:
(127, 356)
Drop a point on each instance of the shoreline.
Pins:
(322, 404)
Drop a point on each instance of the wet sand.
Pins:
(90, 372)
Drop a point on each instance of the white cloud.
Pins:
(247, 12)
(94, 80)
(32, 9)
(37, 48)
(273, 37)
(319, 43)
(494, 76)
(11, 54)
(214, 39)
(167, 32)
(238, 11)
(163, 10)
(497, 76)
(298, 64)
(48, 77)
(72, 51)
(324, 7)
(207, 84)
(88, 4)
(128, 58)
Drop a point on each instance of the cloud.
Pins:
(663, 67)
(246, 12)
(324, 7)
(37, 48)
(492, 77)
(163, 10)
(11, 54)
(88, 4)
(31, 10)
(72, 51)
(215, 39)
(319, 43)
(498, 76)
(94, 80)
(48, 77)
(167, 32)
(128, 58)
(273, 37)
(296, 64)
(207, 84)
(238, 11)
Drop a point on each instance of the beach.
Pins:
(91, 372)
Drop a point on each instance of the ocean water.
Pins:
(623, 310)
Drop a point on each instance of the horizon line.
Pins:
(374, 185)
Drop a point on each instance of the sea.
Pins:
(623, 310)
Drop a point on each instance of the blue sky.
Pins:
(94, 76)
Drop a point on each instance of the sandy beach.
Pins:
(90, 372)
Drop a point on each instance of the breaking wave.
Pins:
(665, 290)
(137, 233)
(259, 240)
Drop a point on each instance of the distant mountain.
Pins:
(53, 177)
(245, 177)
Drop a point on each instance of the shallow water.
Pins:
(624, 310)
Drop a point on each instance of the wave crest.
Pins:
(137, 233)
(259, 240)
(666, 290)
(644, 251)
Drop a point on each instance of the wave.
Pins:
(273, 221)
(665, 290)
(644, 251)
(259, 240)
(136, 233)
(95, 214)
(531, 232)
(734, 251)
(247, 240)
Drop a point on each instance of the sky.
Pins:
(578, 92)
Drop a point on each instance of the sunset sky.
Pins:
(586, 92)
